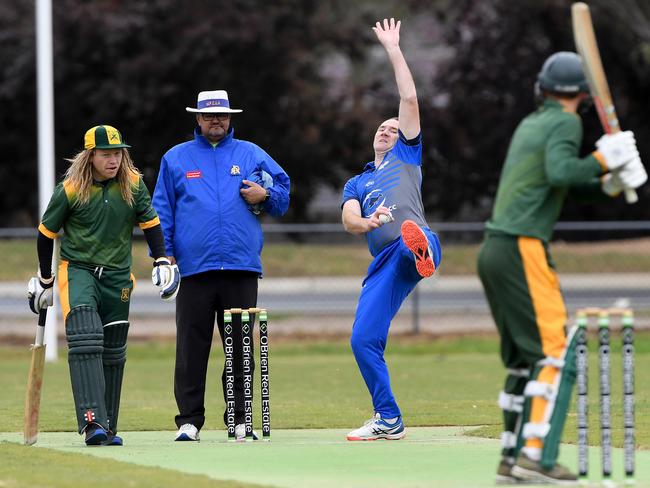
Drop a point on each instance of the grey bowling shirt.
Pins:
(396, 184)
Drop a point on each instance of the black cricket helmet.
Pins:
(562, 73)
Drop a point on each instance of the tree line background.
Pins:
(313, 83)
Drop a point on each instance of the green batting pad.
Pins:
(83, 329)
(562, 403)
(113, 359)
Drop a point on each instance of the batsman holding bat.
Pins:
(100, 199)
(542, 167)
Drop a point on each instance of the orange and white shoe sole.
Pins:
(416, 240)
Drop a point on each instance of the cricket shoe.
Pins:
(532, 471)
(95, 435)
(504, 473)
(416, 240)
(112, 440)
(187, 432)
(240, 433)
(378, 428)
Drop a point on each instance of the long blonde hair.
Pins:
(80, 176)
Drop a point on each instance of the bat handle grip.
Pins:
(42, 315)
(40, 329)
(631, 196)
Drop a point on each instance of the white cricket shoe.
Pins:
(378, 428)
(240, 433)
(187, 432)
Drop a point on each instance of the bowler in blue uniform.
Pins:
(384, 203)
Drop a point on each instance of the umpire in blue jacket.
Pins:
(204, 196)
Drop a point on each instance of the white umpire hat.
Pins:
(213, 102)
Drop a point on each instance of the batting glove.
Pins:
(167, 277)
(617, 149)
(611, 184)
(40, 293)
(633, 174)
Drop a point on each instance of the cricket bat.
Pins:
(585, 40)
(35, 382)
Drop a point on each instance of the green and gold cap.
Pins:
(103, 137)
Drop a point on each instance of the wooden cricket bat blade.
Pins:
(587, 47)
(33, 396)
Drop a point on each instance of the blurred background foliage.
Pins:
(313, 83)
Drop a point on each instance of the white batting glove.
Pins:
(633, 174)
(167, 277)
(617, 149)
(40, 293)
(611, 184)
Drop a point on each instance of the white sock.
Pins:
(390, 421)
(533, 453)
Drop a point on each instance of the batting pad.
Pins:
(511, 402)
(557, 396)
(113, 359)
(565, 381)
(83, 329)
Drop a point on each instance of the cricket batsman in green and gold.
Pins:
(100, 199)
(542, 167)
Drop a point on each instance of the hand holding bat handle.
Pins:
(630, 195)
(35, 382)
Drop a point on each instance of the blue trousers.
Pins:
(391, 277)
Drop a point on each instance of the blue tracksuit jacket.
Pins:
(206, 222)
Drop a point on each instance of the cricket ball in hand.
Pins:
(384, 219)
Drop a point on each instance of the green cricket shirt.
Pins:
(541, 165)
(100, 231)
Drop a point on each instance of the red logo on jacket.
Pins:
(193, 174)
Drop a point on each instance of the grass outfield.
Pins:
(630, 256)
(451, 381)
(28, 467)
(328, 392)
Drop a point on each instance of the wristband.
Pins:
(161, 260)
(45, 281)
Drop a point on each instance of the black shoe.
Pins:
(112, 440)
(95, 435)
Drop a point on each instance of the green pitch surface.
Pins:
(428, 456)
